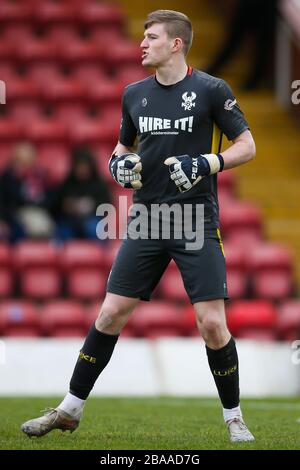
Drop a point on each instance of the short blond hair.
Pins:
(177, 25)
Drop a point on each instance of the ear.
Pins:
(177, 45)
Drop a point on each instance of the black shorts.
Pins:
(141, 263)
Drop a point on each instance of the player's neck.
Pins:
(169, 74)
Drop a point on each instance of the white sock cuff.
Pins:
(72, 405)
(230, 413)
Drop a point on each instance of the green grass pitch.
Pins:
(154, 423)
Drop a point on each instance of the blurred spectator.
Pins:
(253, 18)
(78, 198)
(26, 195)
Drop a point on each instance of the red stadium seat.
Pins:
(89, 72)
(105, 92)
(46, 131)
(18, 317)
(111, 252)
(258, 335)
(92, 131)
(54, 12)
(86, 283)
(5, 154)
(45, 72)
(100, 14)
(269, 256)
(71, 113)
(54, 158)
(288, 322)
(273, 284)
(62, 318)
(157, 319)
(62, 33)
(36, 50)
(227, 181)
(11, 12)
(81, 51)
(28, 254)
(171, 286)
(123, 53)
(6, 282)
(237, 282)
(10, 131)
(63, 90)
(82, 254)
(16, 33)
(5, 255)
(243, 216)
(252, 314)
(40, 283)
(26, 110)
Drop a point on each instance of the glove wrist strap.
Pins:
(215, 161)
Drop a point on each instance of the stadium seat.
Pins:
(47, 11)
(62, 33)
(288, 322)
(46, 131)
(82, 254)
(171, 286)
(5, 255)
(269, 256)
(88, 72)
(86, 283)
(251, 314)
(105, 92)
(81, 51)
(54, 158)
(241, 215)
(274, 284)
(5, 154)
(17, 33)
(122, 53)
(157, 319)
(6, 282)
(10, 131)
(227, 181)
(36, 50)
(100, 14)
(258, 335)
(111, 252)
(94, 131)
(63, 90)
(45, 72)
(26, 110)
(237, 283)
(12, 12)
(19, 317)
(29, 253)
(40, 283)
(62, 318)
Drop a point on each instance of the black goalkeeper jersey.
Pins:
(188, 117)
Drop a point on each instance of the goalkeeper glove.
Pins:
(126, 170)
(187, 171)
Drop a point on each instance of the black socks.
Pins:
(224, 366)
(93, 357)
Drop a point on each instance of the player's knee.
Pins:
(211, 323)
(110, 315)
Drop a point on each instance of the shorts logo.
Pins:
(229, 104)
(188, 101)
(144, 102)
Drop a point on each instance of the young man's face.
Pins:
(156, 46)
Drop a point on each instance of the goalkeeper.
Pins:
(179, 115)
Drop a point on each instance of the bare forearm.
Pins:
(241, 151)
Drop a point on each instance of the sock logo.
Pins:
(87, 358)
(223, 373)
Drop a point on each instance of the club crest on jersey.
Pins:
(188, 101)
